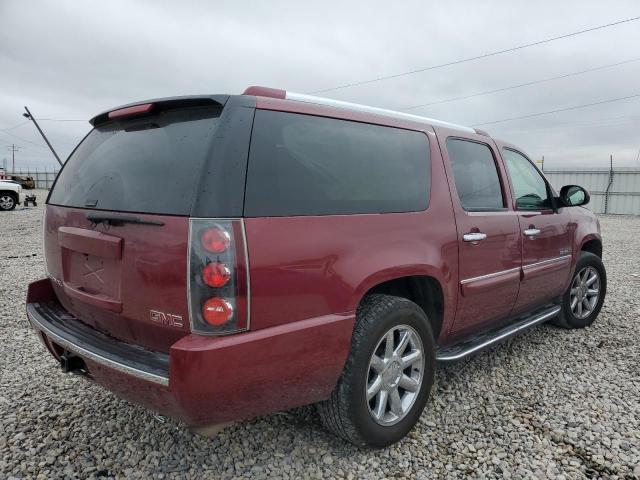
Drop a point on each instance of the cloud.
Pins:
(71, 60)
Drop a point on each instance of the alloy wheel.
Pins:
(395, 374)
(7, 202)
(585, 292)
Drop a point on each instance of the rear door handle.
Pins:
(474, 236)
(532, 232)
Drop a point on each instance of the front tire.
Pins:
(582, 301)
(388, 375)
(7, 201)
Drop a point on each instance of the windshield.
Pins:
(147, 165)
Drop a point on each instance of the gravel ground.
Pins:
(549, 403)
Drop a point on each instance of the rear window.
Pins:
(149, 165)
(306, 165)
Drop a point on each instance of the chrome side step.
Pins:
(466, 348)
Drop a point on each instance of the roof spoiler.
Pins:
(149, 107)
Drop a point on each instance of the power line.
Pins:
(44, 120)
(66, 142)
(15, 126)
(596, 123)
(512, 87)
(23, 139)
(60, 120)
(601, 119)
(575, 107)
(478, 57)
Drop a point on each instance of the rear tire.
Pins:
(8, 201)
(580, 303)
(374, 367)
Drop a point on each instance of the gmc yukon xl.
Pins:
(220, 257)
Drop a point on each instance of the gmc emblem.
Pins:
(166, 318)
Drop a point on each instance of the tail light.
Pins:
(217, 311)
(215, 239)
(218, 277)
(216, 274)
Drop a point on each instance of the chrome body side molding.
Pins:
(544, 267)
(531, 267)
(489, 276)
(550, 261)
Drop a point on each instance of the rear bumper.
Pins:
(70, 334)
(204, 380)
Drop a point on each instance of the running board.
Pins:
(461, 350)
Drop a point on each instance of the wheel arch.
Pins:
(592, 244)
(422, 288)
(10, 192)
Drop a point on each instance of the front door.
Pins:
(546, 239)
(488, 234)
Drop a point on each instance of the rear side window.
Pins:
(149, 165)
(476, 175)
(306, 165)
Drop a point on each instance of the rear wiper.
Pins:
(118, 220)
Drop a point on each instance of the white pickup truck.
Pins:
(11, 194)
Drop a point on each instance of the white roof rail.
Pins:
(301, 97)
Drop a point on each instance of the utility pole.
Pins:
(13, 149)
(30, 117)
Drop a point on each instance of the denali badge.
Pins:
(165, 318)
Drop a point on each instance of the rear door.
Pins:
(488, 233)
(117, 220)
(546, 233)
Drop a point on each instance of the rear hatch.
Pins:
(117, 219)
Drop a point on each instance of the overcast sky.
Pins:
(69, 60)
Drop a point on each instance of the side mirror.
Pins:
(574, 196)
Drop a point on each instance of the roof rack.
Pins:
(301, 97)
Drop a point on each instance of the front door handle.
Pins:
(474, 236)
(532, 232)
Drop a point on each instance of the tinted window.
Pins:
(475, 174)
(150, 165)
(306, 165)
(529, 187)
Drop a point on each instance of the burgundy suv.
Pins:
(220, 257)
